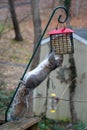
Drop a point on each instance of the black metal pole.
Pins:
(60, 21)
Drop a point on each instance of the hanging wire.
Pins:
(63, 99)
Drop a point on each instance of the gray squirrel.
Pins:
(33, 78)
(30, 81)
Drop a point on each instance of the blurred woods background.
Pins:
(24, 21)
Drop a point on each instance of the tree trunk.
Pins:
(72, 88)
(18, 36)
(72, 108)
(37, 30)
(77, 8)
(53, 4)
(72, 70)
(67, 4)
(37, 34)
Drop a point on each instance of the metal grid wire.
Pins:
(62, 44)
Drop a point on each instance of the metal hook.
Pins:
(59, 19)
(60, 16)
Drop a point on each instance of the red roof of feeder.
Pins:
(61, 31)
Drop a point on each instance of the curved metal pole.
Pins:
(60, 16)
(38, 44)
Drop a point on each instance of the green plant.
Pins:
(5, 27)
(1, 27)
(49, 124)
(56, 127)
(4, 100)
(80, 126)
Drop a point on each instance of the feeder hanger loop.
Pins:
(60, 16)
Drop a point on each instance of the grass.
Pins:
(14, 52)
(49, 124)
(4, 100)
(1, 27)
(4, 27)
(17, 52)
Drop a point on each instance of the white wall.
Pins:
(62, 111)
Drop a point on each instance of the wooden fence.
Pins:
(23, 124)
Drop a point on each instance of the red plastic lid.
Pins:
(60, 31)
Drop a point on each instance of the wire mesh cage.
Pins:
(62, 41)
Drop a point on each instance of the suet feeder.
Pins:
(61, 41)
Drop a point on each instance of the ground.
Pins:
(15, 55)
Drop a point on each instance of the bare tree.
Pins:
(72, 69)
(72, 87)
(37, 30)
(37, 34)
(77, 8)
(18, 35)
(53, 4)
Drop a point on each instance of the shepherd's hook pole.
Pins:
(35, 50)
